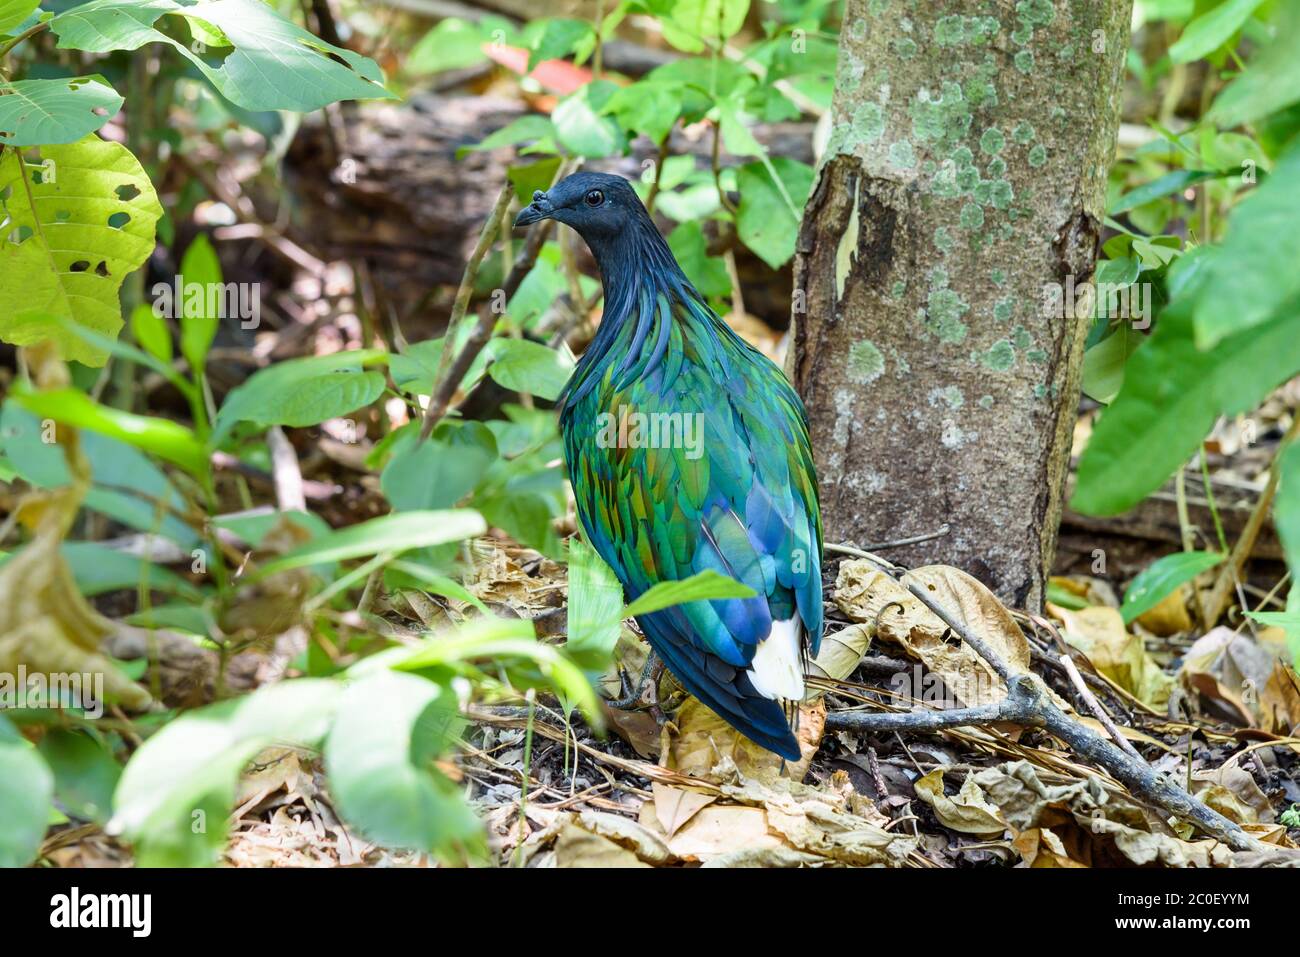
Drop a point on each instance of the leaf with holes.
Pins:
(71, 229)
(36, 112)
(265, 62)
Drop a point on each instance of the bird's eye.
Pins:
(594, 198)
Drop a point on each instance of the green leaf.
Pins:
(168, 440)
(379, 757)
(595, 604)
(26, 792)
(1166, 185)
(70, 241)
(1253, 272)
(1271, 80)
(45, 112)
(706, 585)
(1104, 363)
(694, 21)
(764, 220)
(178, 788)
(525, 366)
(525, 517)
(1212, 30)
(647, 107)
(99, 569)
(528, 127)
(271, 64)
(432, 474)
(388, 533)
(302, 392)
(451, 45)
(708, 273)
(1171, 396)
(85, 773)
(495, 640)
(1160, 579)
(581, 129)
(14, 12)
(151, 332)
(559, 38)
(432, 582)
(1286, 516)
(201, 270)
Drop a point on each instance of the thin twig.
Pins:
(437, 401)
(1027, 704)
(1090, 699)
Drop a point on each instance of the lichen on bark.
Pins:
(967, 168)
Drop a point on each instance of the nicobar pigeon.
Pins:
(740, 499)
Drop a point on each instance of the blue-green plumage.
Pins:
(688, 450)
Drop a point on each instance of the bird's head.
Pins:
(598, 206)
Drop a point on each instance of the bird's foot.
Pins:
(633, 694)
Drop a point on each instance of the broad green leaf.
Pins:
(1104, 363)
(98, 569)
(26, 792)
(1171, 396)
(178, 788)
(1212, 30)
(693, 22)
(45, 112)
(1271, 80)
(379, 757)
(707, 585)
(14, 12)
(530, 367)
(273, 64)
(647, 107)
(528, 127)
(525, 516)
(167, 440)
(1159, 580)
(764, 219)
(127, 486)
(302, 392)
(432, 474)
(561, 37)
(70, 241)
(389, 533)
(1254, 271)
(595, 603)
(201, 270)
(151, 333)
(451, 45)
(85, 773)
(581, 129)
(691, 249)
(415, 369)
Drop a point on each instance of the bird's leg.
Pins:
(632, 694)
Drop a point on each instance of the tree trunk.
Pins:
(967, 171)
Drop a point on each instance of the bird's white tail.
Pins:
(777, 669)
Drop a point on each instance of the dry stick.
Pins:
(1095, 707)
(1223, 585)
(437, 401)
(1026, 704)
(449, 378)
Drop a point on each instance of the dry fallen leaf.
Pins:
(967, 811)
(1100, 634)
(699, 740)
(840, 652)
(675, 806)
(576, 847)
(873, 598)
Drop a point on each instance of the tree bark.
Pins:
(966, 171)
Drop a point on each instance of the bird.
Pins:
(688, 450)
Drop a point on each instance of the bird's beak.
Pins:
(540, 208)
